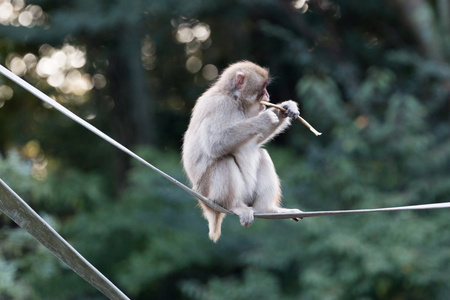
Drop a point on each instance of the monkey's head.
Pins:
(246, 82)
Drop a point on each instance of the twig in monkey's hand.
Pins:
(299, 118)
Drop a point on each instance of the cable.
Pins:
(102, 135)
(354, 211)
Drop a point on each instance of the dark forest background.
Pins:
(373, 76)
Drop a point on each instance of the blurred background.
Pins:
(373, 76)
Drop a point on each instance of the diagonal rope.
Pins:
(105, 137)
(200, 197)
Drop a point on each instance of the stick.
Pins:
(299, 118)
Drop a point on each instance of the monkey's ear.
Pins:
(240, 79)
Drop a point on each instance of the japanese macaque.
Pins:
(222, 149)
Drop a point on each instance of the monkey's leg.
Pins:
(268, 190)
(227, 188)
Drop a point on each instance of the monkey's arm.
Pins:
(228, 140)
(284, 120)
(282, 124)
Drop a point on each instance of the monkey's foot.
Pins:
(245, 215)
(281, 210)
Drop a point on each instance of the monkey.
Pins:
(222, 151)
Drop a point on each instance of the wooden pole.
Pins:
(21, 213)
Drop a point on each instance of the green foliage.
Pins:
(252, 284)
(17, 171)
(323, 99)
(11, 285)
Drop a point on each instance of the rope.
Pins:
(105, 137)
(354, 211)
(200, 197)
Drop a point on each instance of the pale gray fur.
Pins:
(222, 153)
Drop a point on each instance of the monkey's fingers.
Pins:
(290, 113)
(299, 118)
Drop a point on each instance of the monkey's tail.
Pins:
(214, 219)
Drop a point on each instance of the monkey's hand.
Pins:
(268, 121)
(270, 117)
(292, 110)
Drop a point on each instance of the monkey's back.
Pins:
(204, 120)
(213, 112)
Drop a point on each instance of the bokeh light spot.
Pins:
(193, 64)
(18, 66)
(184, 34)
(25, 18)
(210, 72)
(6, 11)
(6, 92)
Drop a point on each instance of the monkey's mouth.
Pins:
(261, 107)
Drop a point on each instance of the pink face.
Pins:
(264, 96)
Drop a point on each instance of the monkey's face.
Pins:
(255, 86)
(263, 96)
(253, 92)
(247, 82)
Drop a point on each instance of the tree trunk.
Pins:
(133, 113)
(419, 17)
